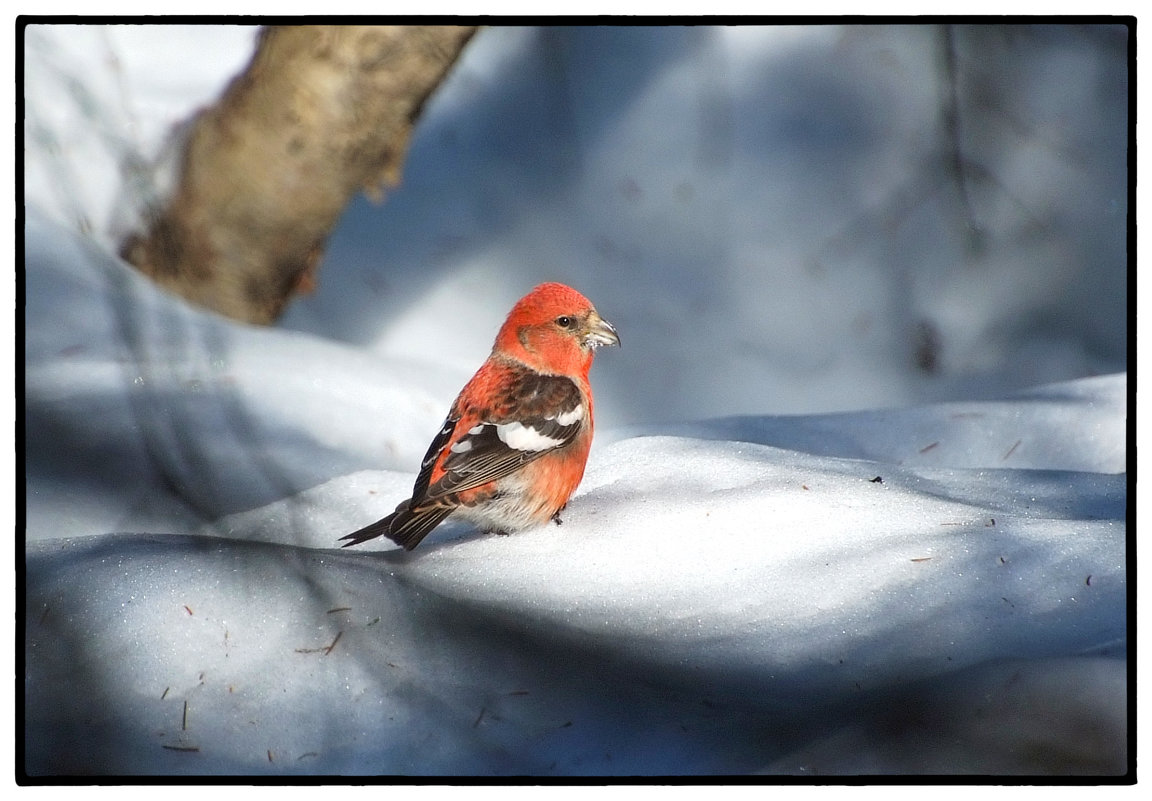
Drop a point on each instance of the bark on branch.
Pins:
(320, 113)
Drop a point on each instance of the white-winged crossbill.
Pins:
(514, 445)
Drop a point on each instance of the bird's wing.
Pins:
(536, 415)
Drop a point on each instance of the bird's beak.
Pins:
(599, 331)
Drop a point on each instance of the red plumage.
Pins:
(513, 447)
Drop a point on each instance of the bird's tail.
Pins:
(405, 527)
(380, 527)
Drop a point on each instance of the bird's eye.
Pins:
(564, 321)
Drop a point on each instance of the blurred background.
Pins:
(778, 219)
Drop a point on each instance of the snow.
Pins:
(793, 552)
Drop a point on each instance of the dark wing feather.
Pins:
(420, 489)
(536, 402)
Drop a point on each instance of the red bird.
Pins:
(514, 445)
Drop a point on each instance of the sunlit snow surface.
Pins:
(932, 588)
(940, 588)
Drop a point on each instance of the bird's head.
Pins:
(556, 330)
